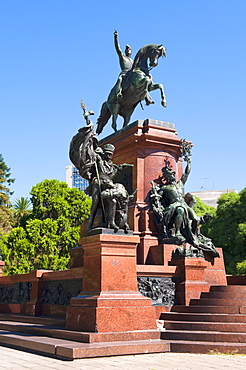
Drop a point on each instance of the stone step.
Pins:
(210, 309)
(224, 295)
(218, 302)
(214, 323)
(236, 280)
(217, 317)
(85, 337)
(203, 336)
(206, 326)
(228, 288)
(207, 347)
(61, 348)
(43, 320)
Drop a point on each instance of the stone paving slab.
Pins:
(18, 360)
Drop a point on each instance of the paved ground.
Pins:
(19, 360)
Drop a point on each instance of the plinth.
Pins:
(191, 278)
(149, 145)
(110, 301)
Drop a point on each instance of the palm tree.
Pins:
(22, 207)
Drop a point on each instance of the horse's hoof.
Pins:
(148, 102)
(114, 226)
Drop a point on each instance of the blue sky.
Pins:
(56, 52)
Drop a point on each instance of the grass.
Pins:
(230, 353)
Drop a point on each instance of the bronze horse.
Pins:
(136, 84)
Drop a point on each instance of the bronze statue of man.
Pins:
(95, 165)
(175, 217)
(125, 64)
(177, 210)
(125, 59)
(133, 85)
(102, 186)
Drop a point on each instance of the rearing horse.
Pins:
(135, 86)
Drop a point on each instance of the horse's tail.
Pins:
(103, 118)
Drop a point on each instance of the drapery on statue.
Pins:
(132, 85)
(95, 165)
(174, 215)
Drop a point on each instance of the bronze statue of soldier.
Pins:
(95, 165)
(103, 189)
(125, 64)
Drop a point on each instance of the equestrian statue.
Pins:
(133, 84)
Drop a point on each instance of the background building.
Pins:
(210, 197)
(74, 180)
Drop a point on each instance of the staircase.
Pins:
(48, 336)
(215, 322)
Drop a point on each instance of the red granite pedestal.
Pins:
(110, 301)
(149, 145)
(191, 278)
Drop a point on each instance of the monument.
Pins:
(159, 215)
(141, 251)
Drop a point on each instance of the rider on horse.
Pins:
(125, 64)
(133, 86)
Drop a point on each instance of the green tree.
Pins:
(47, 234)
(228, 229)
(22, 207)
(6, 214)
(53, 198)
(201, 208)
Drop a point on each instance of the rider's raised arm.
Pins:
(186, 171)
(117, 45)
